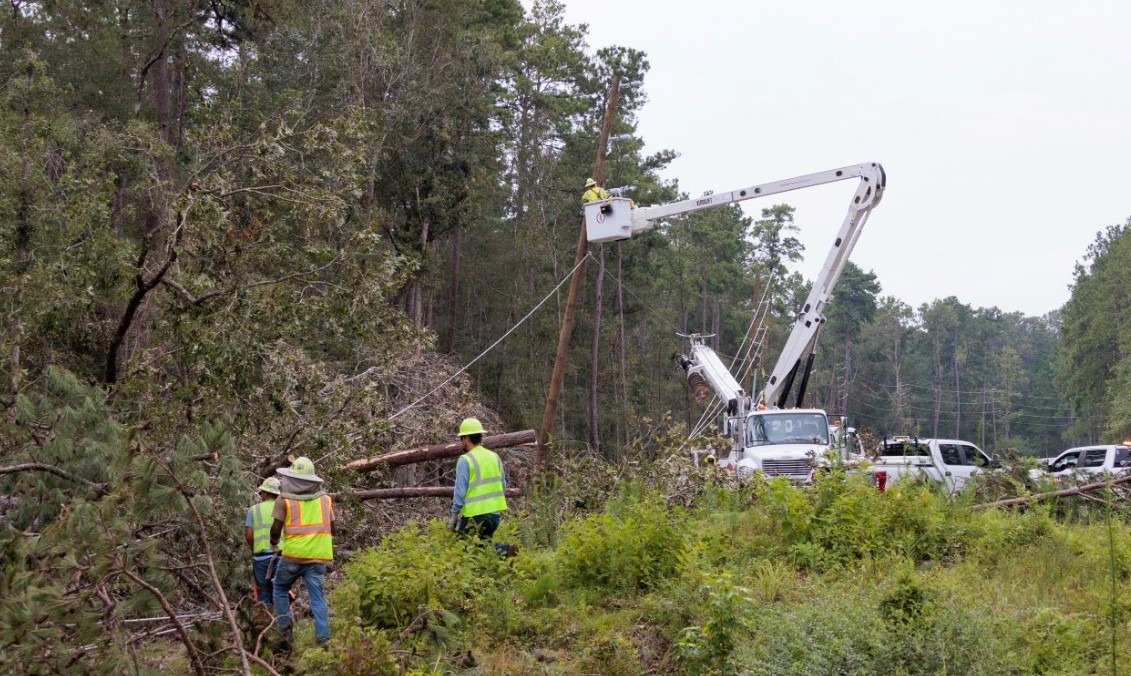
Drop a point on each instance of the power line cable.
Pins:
(494, 344)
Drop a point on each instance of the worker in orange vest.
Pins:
(304, 518)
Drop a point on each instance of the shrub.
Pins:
(632, 547)
(353, 650)
(707, 649)
(416, 570)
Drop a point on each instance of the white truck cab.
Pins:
(782, 442)
(1110, 458)
(950, 462)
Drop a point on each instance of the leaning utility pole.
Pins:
(543, 453)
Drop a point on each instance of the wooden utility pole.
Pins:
(543, 453)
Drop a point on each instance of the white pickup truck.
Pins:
(948, 461)
(1087, 460)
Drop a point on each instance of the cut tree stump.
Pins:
(418, 492)
(448, 450)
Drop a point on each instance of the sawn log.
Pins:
(418, 492)
(448, 450)
(1076, 490)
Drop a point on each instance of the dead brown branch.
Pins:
(237, 636)
(193, 652)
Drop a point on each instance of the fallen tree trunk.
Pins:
(418, 492)
(448, 450)
(1076, 490)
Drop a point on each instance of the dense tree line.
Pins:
(232, 230)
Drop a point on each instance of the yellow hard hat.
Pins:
(589, 182)
(270, 485)
(470, 426)
(301, 468)
(303, 465)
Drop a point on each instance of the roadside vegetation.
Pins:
(759, 578)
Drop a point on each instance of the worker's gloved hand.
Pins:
(454, 525)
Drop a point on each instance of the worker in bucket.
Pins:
(593, 192)
(257, 534)
(479, 498)
(303, 519)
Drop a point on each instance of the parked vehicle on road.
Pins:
(950, 462)
(1087, 460)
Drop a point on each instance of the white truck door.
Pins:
(1065, 463)
(1096, 460)
(962, 461)
(954, 472)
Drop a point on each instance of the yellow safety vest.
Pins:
(594, 194)
(484, 483)
(306, 530)
(261, 526)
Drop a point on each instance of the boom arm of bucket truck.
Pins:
(617, 219)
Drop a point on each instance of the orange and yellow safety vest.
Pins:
(306, 530)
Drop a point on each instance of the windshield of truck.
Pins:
(787, 428)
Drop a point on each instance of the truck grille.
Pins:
(799, 467)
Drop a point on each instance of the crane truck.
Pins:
(766, 432)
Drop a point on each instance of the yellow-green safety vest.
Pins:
(306, 530)
(484, 483)
(594, 194)
(261, 526)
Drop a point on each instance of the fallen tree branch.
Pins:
(418, 492)
(1076, 490)
(237, 636)
(193, 653)
(52, 469)
(448, 450)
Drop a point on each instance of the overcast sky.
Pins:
(1004, 126)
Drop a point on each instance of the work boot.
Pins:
(261, 616)
(286, 638)
(512, 550)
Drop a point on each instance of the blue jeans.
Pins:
(262, 580)
(483, 525)
(286, 574)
